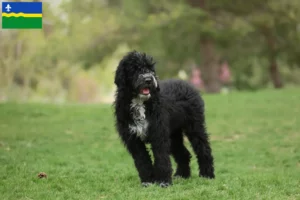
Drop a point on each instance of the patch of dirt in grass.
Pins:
(42, 175)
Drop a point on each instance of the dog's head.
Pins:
(136, 72)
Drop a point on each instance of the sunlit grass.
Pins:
(255, 139)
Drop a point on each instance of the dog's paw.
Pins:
(146, 184)
(207, 172)
(182, 175)
(208, 176)
(178, 176)
(164, 185)
(183, 172)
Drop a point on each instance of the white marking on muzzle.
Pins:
(154, 80)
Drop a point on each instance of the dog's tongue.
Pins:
(145, 91)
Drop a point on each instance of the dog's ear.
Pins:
(120, 76)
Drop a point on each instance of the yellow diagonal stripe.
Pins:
(21, 15)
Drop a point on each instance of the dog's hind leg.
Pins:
(197, 135)
(181, 155)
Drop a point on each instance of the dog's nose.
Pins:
(148, 80)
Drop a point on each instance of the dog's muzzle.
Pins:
(145, 83)
(148, 79)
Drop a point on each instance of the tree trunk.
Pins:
(274, 74)
(272, 52)
(210, 66)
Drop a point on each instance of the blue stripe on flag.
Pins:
(24, 7)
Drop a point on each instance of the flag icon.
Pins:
(22, 15)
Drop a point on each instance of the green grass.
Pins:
(22, 22)
(255, 139)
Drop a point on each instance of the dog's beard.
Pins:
(143, 97)
(144, 93)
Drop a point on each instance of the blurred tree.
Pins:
(210, 60)
(259, 39)
(272, 23)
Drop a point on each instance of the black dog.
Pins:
(148, 111)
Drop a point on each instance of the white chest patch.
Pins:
(140, 123)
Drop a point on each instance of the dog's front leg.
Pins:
(142, 159)
(162, 161)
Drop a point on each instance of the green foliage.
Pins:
(256, 152)
(85, 33)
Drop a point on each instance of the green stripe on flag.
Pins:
(22, 22)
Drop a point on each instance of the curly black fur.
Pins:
(159, 113)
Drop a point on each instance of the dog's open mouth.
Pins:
(145, 91)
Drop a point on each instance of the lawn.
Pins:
(255, 140)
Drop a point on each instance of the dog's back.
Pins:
(179, 90)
